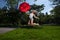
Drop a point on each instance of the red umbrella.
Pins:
(24, 7)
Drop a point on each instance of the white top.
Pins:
(31, 15)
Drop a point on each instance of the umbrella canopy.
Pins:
(24, 7)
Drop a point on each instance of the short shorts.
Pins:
(31, 18)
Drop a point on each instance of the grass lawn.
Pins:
(45, 32)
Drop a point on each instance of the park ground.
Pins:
(44, 32)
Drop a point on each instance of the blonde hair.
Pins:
(34, 11)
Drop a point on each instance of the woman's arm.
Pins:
(36, 17)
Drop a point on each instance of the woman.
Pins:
(31, 19)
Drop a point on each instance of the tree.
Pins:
(55, 2)
(39, 8)
(56, 13)
(13, 3)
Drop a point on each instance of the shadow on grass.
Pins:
(23, 26)
(31, 27)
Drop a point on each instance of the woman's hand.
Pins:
(37, 18)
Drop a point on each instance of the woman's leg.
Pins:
(32, 22)
(29, 22)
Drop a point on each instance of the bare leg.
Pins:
(29, 22)
(32, 22)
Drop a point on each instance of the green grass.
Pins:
(43, 33)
